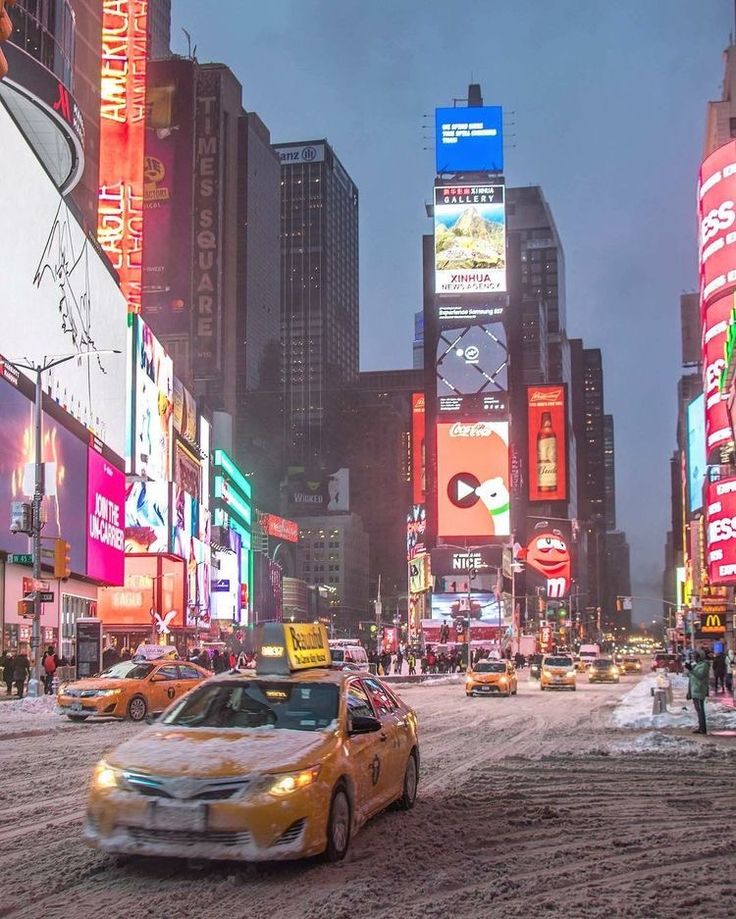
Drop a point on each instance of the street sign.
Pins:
(46, 596)
(23, 559)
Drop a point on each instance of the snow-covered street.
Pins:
(528, 805)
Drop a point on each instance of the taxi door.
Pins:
(394, 738)
(164, 686)
(189, 677)
(366, 755)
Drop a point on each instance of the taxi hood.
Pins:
(220, 753)
(98, 683)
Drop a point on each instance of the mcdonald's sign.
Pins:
(712, 624)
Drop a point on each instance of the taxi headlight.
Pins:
(503, 680)
(289, 782)
(109, 692)
(547, 672)
(105, 777)
(571, 672)
(468, 679)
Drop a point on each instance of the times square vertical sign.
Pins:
(122, 137)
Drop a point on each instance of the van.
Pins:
(350, 654)
(588, 654)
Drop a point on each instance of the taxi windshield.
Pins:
(258, 704)
(603, 663)
(558, 662)
(127, 670)
(490, 667)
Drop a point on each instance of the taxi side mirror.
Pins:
(364, 724)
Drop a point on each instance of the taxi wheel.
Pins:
(338, 826)
(411, 780)
(137, 708)
(78, 718)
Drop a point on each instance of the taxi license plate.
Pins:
(485, 688)
(76, 706)
(558, 679)
(176, 815)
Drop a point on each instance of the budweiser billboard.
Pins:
(715, 330)
(721, 538)
(473, 479)
(717, 221)
(547, 443)
(279, 527)
(418, 452)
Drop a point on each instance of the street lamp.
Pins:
(48, 363)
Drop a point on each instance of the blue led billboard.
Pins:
(469, 139)
(696, 452)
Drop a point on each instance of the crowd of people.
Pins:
(16, 671)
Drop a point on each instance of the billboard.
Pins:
(61, 294)
(420, 573)
(465, 313)
(721, 534)
(470, 239)
(416, 529)
(716, 216)
(167, 196)
(206, 273)
(153, 386)
(547, 428)
(147, 517)
(185, 412)
(548, 555)
(65, 504)
(418, 448)
(307, 153)
(472, 370)
(122, 139)
(715, 331)
(473, 479)
(187, 470)
(318, 492)
(696, 459)
(279, 527)
(105, 519)
(469, 139)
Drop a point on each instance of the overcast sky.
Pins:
(604, 108)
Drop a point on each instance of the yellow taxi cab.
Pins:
(283, 763)
(603, 670)
(488, 677)
(130, 689)
(629, 665)
(558, 672)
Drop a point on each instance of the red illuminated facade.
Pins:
(122, 137)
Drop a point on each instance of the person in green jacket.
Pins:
(698, 676)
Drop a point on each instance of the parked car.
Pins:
(669, 662)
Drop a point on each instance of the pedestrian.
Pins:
(125, 654)
(386, 663)
(21, 670)
(204, 660)
(411, 660)
(6, 662)
(730, 670)
(49, 666)
(218, 664)
(719, 671)
(110, 657)
(697, 690)
(399, 661)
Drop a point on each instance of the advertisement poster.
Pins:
(279, 527)
(318, 492)
(547, 558)
(187, 470)
(65, 504)
(416, 528)
(154, 379)
(547, 427)
(105, 520)
(715, 332)
(480, 605)
(472, 479)
(418, 448)
(147, 517)
(469, 139)
(167, 196)
(696, 462)
(185, 412)
(472, 369)
(721, 534)
(717, 216)
(470, 239)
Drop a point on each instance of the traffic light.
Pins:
(62, 560)
(6, 30)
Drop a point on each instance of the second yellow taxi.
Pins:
(284, 763)
(558, 672)
(489, 677)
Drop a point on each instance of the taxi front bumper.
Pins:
(128, 823)
(604, 677)
(487, 689)
(557, 681)
(111, 706)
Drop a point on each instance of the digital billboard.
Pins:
(416, 529)
(154, 376)
(147, 517)
(468, 313)
(469, 139)
(469, 239)
(717, 216)
(105, 519)
(279, 527)
(715, 330)
(547, 428)
(59, 295)
(721, 538)
(122, 139)
(318, 492)
(65, 454)
(418, 448)
(472, 370)
(696, 459)
(548, 556)
(167, 195)
(473, 479)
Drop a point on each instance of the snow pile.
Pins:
(635, 708)
(653, 742)
(29, 708)
(444, 679)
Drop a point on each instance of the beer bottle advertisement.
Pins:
(547, 443)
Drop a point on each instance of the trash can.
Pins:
(659, 706)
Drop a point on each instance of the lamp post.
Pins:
(39, 490)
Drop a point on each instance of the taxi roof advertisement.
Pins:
(285, 647)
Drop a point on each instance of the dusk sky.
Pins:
(604, 108)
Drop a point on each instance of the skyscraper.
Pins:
(159, 29)
(319, 296)
(609, 471)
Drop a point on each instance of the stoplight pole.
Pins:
(34, 686)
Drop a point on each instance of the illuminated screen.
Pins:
(473, 479)
(717, 214)
(469, 139)
(470, 239)
(472, 369)
(696, 452)
(418, 457)
(547, 443)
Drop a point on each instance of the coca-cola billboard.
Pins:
(473, 479)
(717, 222)
(715, 329)
(721, 538)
